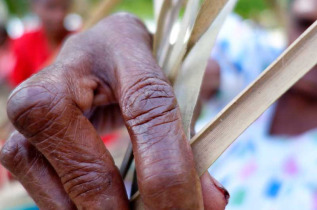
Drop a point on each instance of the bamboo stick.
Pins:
(174, 61)
(161, 26)
(157, 4)
(168, 17)
(207, 14)
(193, 68)
(291, 66)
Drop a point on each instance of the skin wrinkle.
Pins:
(35, 105)
(78, 161)
(75, 184)
(32, 161)
(145, 145)
(151, 116)
(21, 87)
(75, 174)
(52, 123)
(126, 62)
(30, 168)
(157, 94)
(138, 88)
(154, 131)
(71, 174)
(137, 97)
(48, 109)
(156, 124)
(9, 154)
(91, 190)
(38, 107)
(52, 147)
(150, 138)
(128, 115)
(59, 139)
(24, 116)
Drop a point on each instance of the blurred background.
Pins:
(31, 33)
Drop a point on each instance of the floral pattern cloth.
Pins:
(260, 171)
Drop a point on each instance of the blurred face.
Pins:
(303, 15)
(52, 14)
(3, 36)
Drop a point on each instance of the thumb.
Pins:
(215, 196)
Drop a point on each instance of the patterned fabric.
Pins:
(260, 171)
(243, 52)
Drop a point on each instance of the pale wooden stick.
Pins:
(168, 17)
(157, 4)
(291, 66)
(161, 26)
(174, 61)
(102, 11)
(207, 14)
(193, 68)
(295, 62)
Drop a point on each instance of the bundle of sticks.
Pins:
(185, 61)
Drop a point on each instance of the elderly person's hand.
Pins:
(57, 153)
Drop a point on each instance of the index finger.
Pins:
(164, 162)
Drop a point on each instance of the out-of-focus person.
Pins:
(21, 58)
(272, 165)
(34, 49)
(6, 62)
(6, 57)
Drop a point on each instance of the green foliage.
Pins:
(142, 8)
(251, 8)
(18, 7)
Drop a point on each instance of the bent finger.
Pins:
(165, 167)
(48, 110)
(35, 173)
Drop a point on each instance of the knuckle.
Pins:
(125, 28)
(87, 180)
(74, 39)
(13, 152)
(33, 106)
(149, 102)
(78, 49)
(123, 17)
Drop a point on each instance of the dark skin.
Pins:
(57, 153)
(211, 82)
(296, 111)
(52, 14)
(3, 36)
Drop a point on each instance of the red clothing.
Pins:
(7, 61)
(31, 52)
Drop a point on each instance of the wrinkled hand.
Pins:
(57, 153)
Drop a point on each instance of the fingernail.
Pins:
(221, 189)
